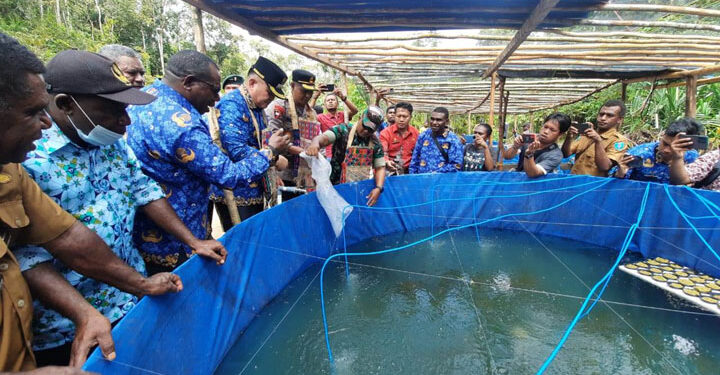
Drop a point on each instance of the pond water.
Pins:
(493, 302)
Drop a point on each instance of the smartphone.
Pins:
(329, 87)
(700, 142)
(582, 127)
(528, 138)
(636, 162)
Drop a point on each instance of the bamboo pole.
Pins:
(661, 8)
(491, 115)
(663, 24)
(681, 74)
(691, 96)
(346, 111)
(700, 82)
(623, 92)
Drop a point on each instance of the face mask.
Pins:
(99, 135)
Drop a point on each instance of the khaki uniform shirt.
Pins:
(614, 143)
(27, 216)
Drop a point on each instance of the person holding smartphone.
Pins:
(703, 173)
(539, 153)
(601, 146)
(333, 116)
(651, 161)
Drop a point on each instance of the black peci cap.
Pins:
(232, 80)
(305, 78)
(269, 72)
(87, 73)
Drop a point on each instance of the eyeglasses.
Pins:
(215, 89)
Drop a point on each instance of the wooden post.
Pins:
(491, 113)
(346, 112)
(469, 124)
(623, 91)
(532, 121)
(691, 96)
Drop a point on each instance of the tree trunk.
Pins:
(42, 9)
(58, 15)
(160, 50)
(198, 30)
(99, 11)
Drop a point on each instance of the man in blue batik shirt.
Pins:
(653, 158)
(85, 166)
(239, 137)
(437, 149)
(172, 141)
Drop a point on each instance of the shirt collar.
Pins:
(610, 133)
(54, 139)
(160, 88)
(246, 94)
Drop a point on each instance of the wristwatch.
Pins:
(529, 155)
(380, 187)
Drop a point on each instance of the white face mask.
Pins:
(99, 135)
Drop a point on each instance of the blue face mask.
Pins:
(99, 135)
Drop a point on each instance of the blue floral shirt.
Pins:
(172, 141)
(102, 187)
(651, 170)
(427, 158)
(239, 140)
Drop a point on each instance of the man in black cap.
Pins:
(240, 126)
(83, 164)
(361, 135)
(232, 82)
(28, 216)
(172, 140)
(280, 115)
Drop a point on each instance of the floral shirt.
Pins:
(172, 141)
(102, 187)
(239, 139)
(652, 170)
(427, 158)
(698, 170)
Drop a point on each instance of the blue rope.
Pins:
(347, 212)
(706, 202)
(605, 279)
(599, 184)
(687, 220)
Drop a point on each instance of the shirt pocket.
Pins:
(13, 214)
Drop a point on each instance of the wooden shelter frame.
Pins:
(619, 43)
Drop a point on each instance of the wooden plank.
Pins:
(536, 17)
(691, 96)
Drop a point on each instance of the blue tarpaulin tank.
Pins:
(190, 332)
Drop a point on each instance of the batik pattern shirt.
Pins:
(172, 141)
(651, 170)
(240, 140)
(701, 168)
(102, 187)
(474, 158)
(427, 158)
(338, 137)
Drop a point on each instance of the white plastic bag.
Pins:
(330, 200)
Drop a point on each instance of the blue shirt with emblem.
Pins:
(427, 158)
(652, 170)
(102, 187)
(172, 141)
(240, 140)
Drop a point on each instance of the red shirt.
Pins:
(327, 121)
(392, 142)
